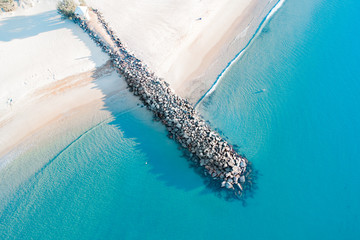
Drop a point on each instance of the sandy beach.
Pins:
(51, 69)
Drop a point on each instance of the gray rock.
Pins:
(242, 179)
(236, 169)
(236, 179)
(242, 164)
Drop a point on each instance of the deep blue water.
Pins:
(302, 134)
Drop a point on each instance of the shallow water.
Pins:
(124, 179)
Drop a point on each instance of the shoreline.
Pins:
(96, 100)
(55, 102)
(240, 32)
(266, 19)
(62, 71)
(58, 111)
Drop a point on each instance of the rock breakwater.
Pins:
(206, 147)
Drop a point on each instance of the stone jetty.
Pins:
(206, 148)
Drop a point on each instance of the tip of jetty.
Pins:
(215, 156)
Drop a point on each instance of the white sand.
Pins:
(47, 64)
(46, 72)
(38, 48)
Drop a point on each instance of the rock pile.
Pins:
(184, 125)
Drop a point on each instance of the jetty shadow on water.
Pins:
(166, 160)
(161, 154)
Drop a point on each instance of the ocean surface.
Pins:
(292, 105)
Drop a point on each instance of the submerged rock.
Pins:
(228, 185)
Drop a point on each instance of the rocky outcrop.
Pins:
(206, 147)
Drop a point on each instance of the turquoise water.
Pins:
(124, 179)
